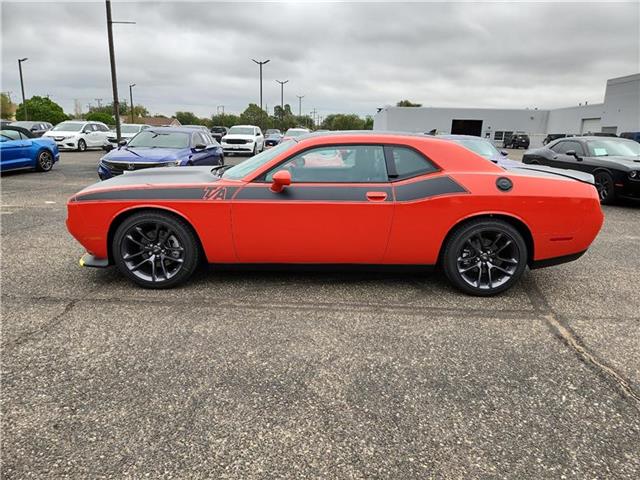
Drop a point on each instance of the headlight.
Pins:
(175, 163)
(634, 175)
(250, 140)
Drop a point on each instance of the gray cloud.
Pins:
(343, 57)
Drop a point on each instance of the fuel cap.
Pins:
(504, 184)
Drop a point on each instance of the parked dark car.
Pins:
(219, 132)
(631, 136)
(36, 128)
(272, 137)
(614, 162)
(484, 148)
(162, 147)
(553, 136)
(517, 140)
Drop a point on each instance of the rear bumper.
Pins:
(550, 262)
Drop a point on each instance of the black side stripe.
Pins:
(431, 187)
(183, 193)
(306, 193)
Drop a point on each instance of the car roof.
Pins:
(248, 126)
(170, 129)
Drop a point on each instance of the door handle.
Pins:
(376, 196)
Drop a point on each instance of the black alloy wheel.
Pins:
(485, 257)
(155, 250)
(82, 145)
(605, 187)
(45, 161)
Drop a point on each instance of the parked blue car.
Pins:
(162, 147)
(20, 149)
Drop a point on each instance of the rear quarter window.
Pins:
(409, 163)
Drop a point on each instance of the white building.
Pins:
(620, 112)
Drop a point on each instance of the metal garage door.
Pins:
(590, 125)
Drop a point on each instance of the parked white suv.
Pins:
(79, 135)
(243, 139)
(127, 132)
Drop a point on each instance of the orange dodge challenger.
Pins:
(353, 198)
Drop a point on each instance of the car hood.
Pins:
(631, 162)
(549, 171)
(237, 136)
(142, 155)
(59, 133)
(156, 177)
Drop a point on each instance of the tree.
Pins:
(7, 107)
(368, 123)
(225, 120)
(254, 115)
(339, 121)
(188, 118)
(101, 117)
(42, 109)
(407, 103)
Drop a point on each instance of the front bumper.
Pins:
(67, 144)
(89, 260)
(628, 189)
(238, 148)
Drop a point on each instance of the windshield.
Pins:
(218, 129)
(481, 147)
(155, 139)
(241, 131)
(129, 128)
(69, 126)
(243, 169)
(295, 132)
(273, 131)
(613, 147)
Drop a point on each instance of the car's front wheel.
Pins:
(82, 145)
(484, 257)
(44, 162)
(155, 250)
(604, 185)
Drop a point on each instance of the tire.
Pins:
(255, 150)
(605, 187)
(82, 145)
(484, 257)
(166, 246)
(44, 162)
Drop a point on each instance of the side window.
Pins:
(564, 147)
(103, 128)
(11, 134)
(409, 163)
(559, 147)
(336, 164)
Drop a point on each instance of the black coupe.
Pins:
(614, 162)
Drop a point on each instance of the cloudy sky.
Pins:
(344, 57)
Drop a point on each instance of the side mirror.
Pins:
(504, 153)
(257, 134)
(34, 129)
(199, 146)
(280, 180)
(122, 143)
(572, 153)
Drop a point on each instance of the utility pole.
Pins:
(99, 101)
(131, 99)
(313, 115)
(218, 108)
(300, 97)
(24, 104)
(112, 59)
(261, 64)
(282, 96)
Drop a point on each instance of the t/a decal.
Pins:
(214, 193)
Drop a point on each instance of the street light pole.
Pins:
(112, 59)
(261, 64)
(300, 97)
(282, 96)
(131, 99)
(24, 103)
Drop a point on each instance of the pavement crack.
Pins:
(45, 328)
(564, 332)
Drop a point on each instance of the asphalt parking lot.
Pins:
(310, 375)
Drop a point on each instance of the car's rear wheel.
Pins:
(44, 163)
(484, 257)
(605, 187)
(82, 146)
(155, 250)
